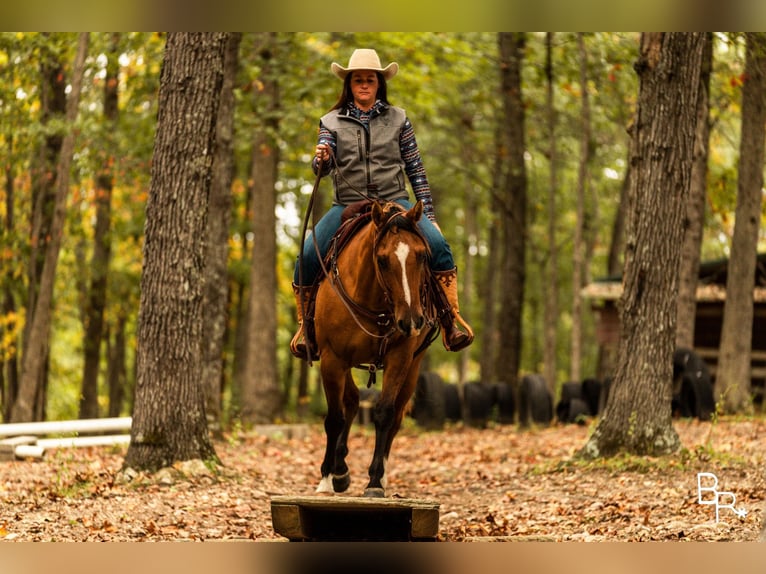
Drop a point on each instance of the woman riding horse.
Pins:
(368, 146)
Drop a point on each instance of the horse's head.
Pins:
(400, 259)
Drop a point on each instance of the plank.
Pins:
(346, 518)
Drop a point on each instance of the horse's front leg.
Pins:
(341, 478)
(340, 413)
(384, 417)
(387, 415)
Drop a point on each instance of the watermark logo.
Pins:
(719, 497)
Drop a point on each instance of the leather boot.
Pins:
(298, 344)
(453, 337)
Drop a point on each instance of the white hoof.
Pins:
(325, 485)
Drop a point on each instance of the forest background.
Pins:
(450, 86)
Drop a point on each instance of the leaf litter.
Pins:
(496, 483)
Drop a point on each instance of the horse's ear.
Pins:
(377, 213)
(416, 212)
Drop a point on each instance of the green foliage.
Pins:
(449, 85)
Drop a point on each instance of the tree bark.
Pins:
(39, 315)
(695, 211)
(116, 370)
(578, 248)
(550, 287)
(513, 206)
(99, 266)
(469, 243)
(490, 285)
(169, 422)
(732, 386)
(219, 217)
(9, 370)
(52, 109)
(637, 417)
(261, 394)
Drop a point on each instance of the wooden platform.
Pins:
(354, 519)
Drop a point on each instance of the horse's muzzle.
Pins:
(411, 324)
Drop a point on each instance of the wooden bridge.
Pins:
(354, 519)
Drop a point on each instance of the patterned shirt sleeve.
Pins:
(413, 167)
(325, 137)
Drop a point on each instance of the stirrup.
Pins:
(455, 339)
(298, 347)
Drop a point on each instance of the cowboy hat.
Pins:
(364, 59)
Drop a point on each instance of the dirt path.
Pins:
(492, 484)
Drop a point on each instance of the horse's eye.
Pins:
(421, 258)
(382, 263)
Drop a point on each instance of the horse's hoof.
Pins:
(341, 483)
(325, 486)
(374, 493)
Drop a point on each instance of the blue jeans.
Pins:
(441, 254)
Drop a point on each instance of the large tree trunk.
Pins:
(39, 314)
(169, 421)
(550, 286)
(219, 216)
(99, 266)
(513, 206)
(637, 418)
(695, 211)
(261, 393)
(732, 386)
(579, 247)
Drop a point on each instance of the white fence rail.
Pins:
(25, 440)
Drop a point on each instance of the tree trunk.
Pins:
(617, 242)
(579, 258)
(695, 211)
(637, 417)
(9, 373)
(489, 288)
(219, 216)
(169, 421)
(261, 394)
(99, 266)
(116, 370)
(35, 354)
(52, 109)
(514, 207)
(732, 386)
(469, 244)
(550, 286)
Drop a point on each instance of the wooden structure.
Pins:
(354, 519)
(711, 294)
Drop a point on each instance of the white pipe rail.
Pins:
(77, 441)
(59, 427)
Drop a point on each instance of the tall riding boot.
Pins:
(298, 343)
(454, 338)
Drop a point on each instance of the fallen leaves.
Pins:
(496, 483)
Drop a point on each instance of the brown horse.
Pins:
(371, 313)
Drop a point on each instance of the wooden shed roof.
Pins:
(711, 286)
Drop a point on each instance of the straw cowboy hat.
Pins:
(364, 59)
